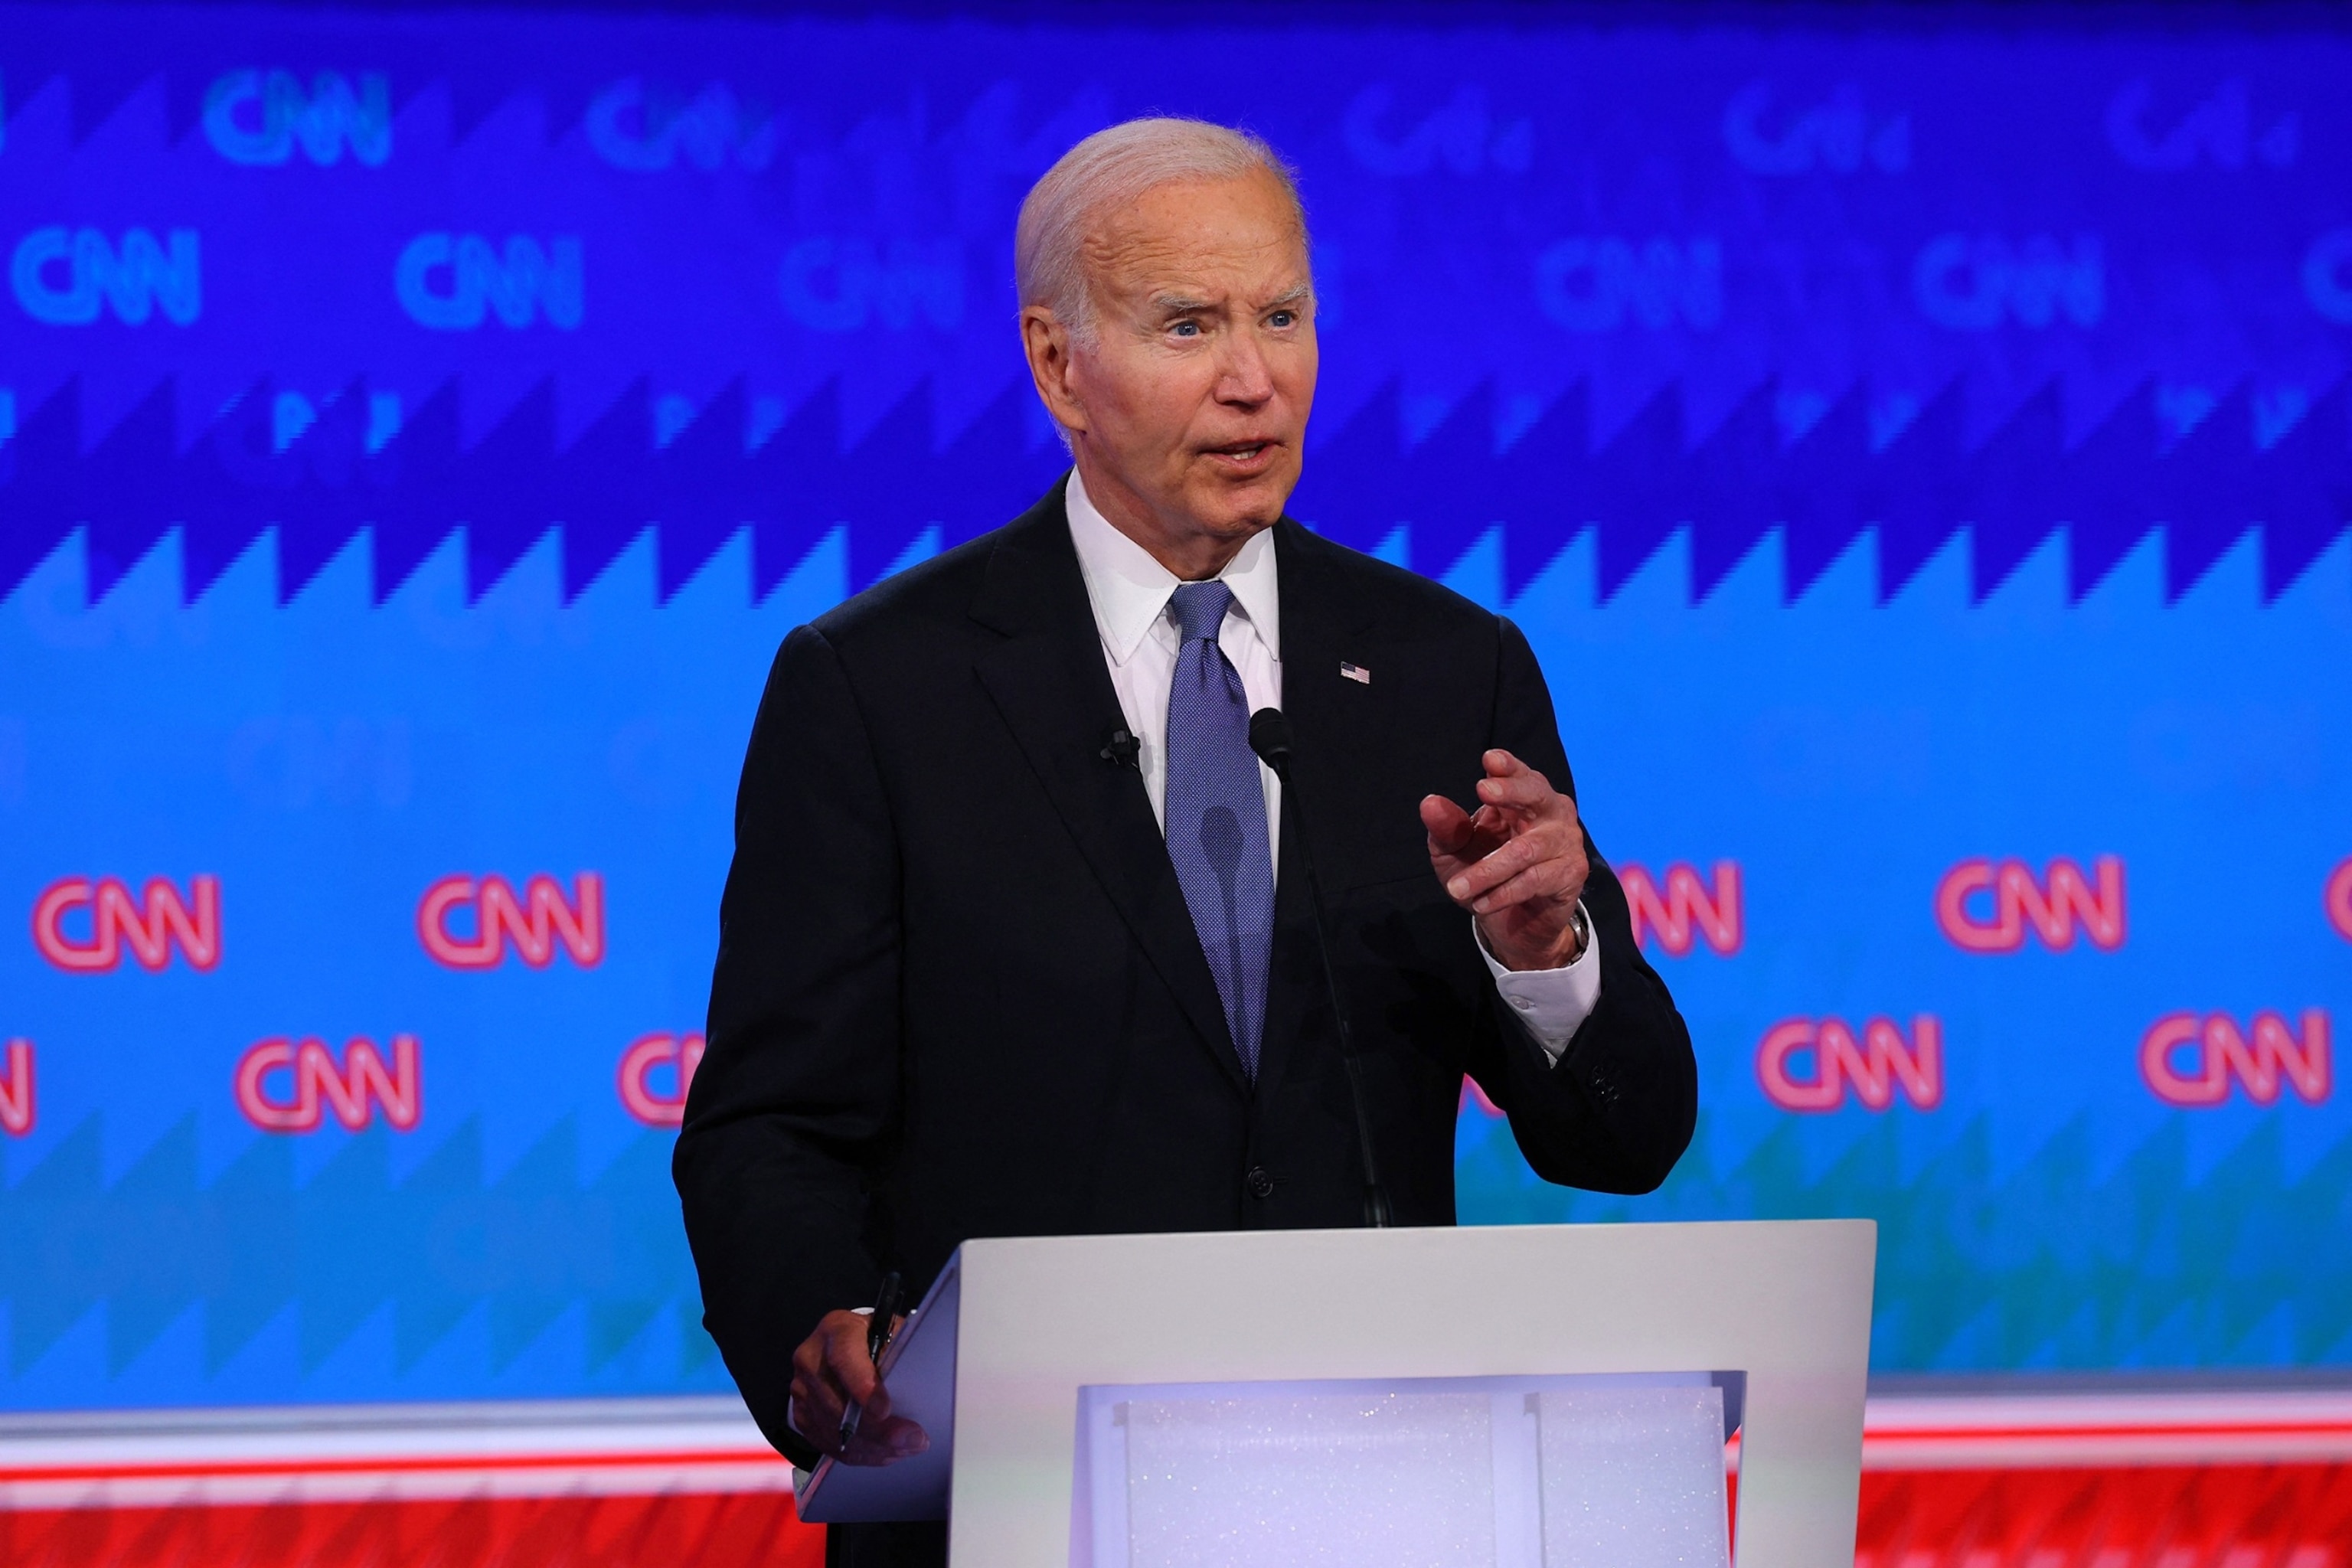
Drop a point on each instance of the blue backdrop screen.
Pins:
(1921, 459)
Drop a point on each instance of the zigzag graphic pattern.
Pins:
(2239, 468)
(2059, 1263)
(2054, 1265)
(440, 1244)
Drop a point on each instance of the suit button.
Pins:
(1261, 1185)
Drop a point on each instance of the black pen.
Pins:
(877, 1339)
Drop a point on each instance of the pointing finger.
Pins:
(1523, 787)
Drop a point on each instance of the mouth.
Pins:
(1248, 456)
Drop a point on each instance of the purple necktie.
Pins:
(1216, 816)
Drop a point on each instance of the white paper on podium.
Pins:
(919, 1369)
(1624, 1470)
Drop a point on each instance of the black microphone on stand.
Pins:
(1269, 737)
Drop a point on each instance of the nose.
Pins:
(1244, 380)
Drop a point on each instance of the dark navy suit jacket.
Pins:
(958, 994)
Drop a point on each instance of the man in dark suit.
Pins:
(1017, 940)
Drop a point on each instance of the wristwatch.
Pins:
(1582, 928)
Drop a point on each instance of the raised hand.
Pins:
(1517, 863)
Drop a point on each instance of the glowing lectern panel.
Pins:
(1626, 1471)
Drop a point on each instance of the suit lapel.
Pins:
(1321, 625)
(1049, 681)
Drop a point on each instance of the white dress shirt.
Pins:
(1130, 590)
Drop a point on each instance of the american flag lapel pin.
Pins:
(1355, 672)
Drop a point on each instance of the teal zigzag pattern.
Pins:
(436, 1245)
(2058, 1263)
(2055, 1265)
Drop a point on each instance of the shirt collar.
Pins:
(1129, 590)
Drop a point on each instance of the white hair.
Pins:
(1112, 169)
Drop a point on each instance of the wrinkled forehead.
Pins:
(1201, 239)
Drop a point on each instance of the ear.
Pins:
(1046, 338)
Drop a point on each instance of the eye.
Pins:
(1186, 329)
(1283, 319)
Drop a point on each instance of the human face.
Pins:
(1186, 408)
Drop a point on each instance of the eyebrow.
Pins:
(1185, 304)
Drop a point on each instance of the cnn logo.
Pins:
(649, 1062)
(469, 922)
(2189, 1058)
(82, 924)
(16, 1089)
(2339, 901)
(1986, 906)
(290, 1086)
(1803, 1065)
(1688, 909)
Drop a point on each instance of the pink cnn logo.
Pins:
(1808, 1066)
(151, 924)
(17, 1090)
(1688, 909)
(533, 924)
(673, 1056)
(288, 1085)
(2189, 1059)
(1986, 906)
(2339, 901)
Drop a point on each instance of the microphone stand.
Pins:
(1269, 737)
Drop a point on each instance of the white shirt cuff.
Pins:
(1551, 1004)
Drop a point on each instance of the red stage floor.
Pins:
(2136, 1480)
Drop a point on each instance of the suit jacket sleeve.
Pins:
(1616, 1110)
(789, 1115)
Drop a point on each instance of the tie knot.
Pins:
(1199, 609)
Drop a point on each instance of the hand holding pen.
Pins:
(838, 1402)
(880, 1324)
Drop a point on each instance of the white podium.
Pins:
(1539, 1396)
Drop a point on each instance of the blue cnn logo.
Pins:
(1597, 285)
(2328, 275)
(258, 118)
(1974, 283)
(1838, 135)
(839, 285)
(68, 277)
(648, 129)
(2220, 133)
(1460, 135)
(455, 282)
